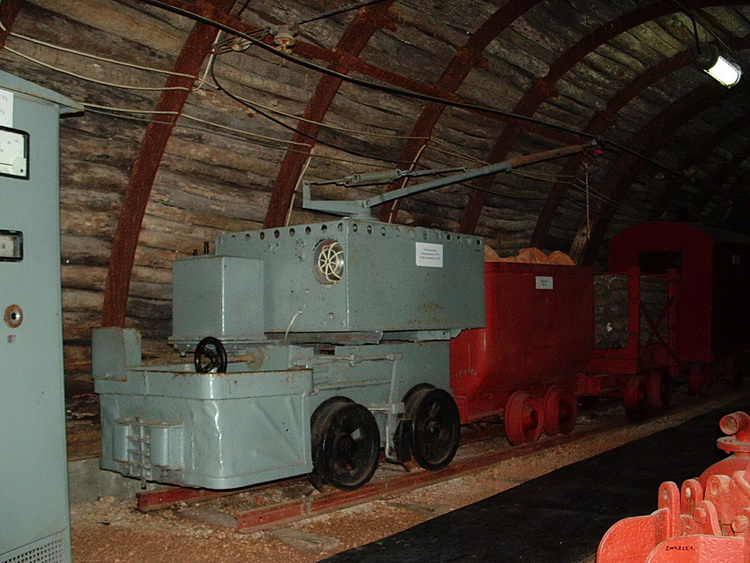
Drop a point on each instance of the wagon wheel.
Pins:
(659, 388)
(699, 379)
(523, 418)
(735, 372)
(435, 427)
(636, 397)
(210, 356)
(560, 411)
(345, 444)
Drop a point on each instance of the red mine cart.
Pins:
(713, 312)
(635, 347)
(523, 365)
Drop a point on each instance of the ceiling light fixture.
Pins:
(707, 56)
(721, 69)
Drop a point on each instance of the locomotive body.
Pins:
(315, 345)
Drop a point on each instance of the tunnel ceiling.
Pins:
(254, 95)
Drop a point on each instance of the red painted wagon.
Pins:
(523, 365)
(713, 292)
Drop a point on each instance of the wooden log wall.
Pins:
(217, 174)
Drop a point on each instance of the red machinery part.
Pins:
(707, 519)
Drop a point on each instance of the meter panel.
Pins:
(14, 153)
(11, 246)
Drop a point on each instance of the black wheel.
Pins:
(210, 356)
(345, 445)
(435, 427)
(402, 436)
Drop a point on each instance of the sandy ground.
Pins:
(111, 530)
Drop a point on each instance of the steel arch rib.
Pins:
(146, 164)
(8, 13)
(353, 40)
(466, 59)
(622, 172)
(544, 89)
(598, 124)
(721, 177)
(701, 154)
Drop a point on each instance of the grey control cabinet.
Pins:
(34, 513)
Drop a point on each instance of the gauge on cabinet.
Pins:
(14, 153)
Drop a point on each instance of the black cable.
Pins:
(289, 127)
(243, 8)
(674, 173)
(365, 83)
(689, 14)
(340, 11)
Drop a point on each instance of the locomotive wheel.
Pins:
(523, 418)
(402, 436)
(659, 388)
(345, 444)
(560, 411)
(699, 379)
(435, 427)
(210, 356)
(636, 397)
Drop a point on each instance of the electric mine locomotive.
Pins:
(338, 339)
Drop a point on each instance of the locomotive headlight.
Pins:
(329, 262)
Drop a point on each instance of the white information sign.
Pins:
(6, 108)
(429, 255)
(545, 282)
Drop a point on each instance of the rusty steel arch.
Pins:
(651, 138)
(601, 121)
(545, 88)
(465, 60)
(194, 51)
(8, 13)
(353, 40)
(719, 179)
(700, 154)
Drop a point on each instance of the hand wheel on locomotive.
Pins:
(210, 356)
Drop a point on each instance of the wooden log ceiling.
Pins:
(389, 84)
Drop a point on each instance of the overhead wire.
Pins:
(254, 105)
(365, 83)
(340, 11)
(110, 112)
(90, 79)
(287, 126)
(93, 56)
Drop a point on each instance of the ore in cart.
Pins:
(635, 344)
